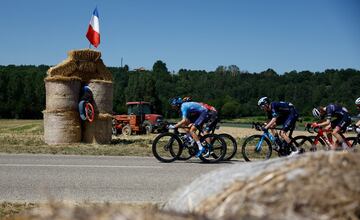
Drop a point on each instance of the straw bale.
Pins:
(322, 184)
(84, 55)
(86, 67)
(103, 95)
(61, 127)
(98, 131)
(61, 78)
(103, 72)
(65, 68)
(62, 94)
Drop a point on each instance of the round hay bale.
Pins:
(102, 71)
(103, 95)
(65, 68)
(84, 55)
(61, 127)
(99, 131)
(62, 93)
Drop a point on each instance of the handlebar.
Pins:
(318, 129)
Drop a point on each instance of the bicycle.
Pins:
(353, 141)
(261, 146)
(325, 140)
(169, 146)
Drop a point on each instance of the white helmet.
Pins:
(357, 101)
(316, 113)
(263, 101)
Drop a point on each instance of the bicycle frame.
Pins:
(267, 135)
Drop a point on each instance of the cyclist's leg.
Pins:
(199, 122)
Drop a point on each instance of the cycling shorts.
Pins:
(212, 121)
(342, 123)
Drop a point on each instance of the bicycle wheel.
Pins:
(167, 147)
(89, 112)
(354, 143)
(231, 146)
(216, 147)
(304, 144)
(256, 147)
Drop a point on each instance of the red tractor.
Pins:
(139, 120)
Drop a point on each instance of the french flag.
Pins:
(93, 33)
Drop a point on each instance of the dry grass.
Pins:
(8, 209)
(26, 136)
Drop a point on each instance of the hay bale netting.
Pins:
(98, 131)
(103, 95)
(84, 55)
(62, 93)
(61, 127)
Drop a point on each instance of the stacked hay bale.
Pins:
(63, 85)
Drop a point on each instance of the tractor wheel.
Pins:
(148, 127)
(126, 130)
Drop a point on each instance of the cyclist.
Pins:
(213, 117)
(192, 112)
(85, 96)
(339, 124)
(280, 113)
(357, 103)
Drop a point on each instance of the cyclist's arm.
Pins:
(325, 123)
(183, 121)
(271, 123)
(358, 123)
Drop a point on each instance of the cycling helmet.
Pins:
(263, 101)
(316, 113)
(177, 101)
(357, 101)
(187, 99)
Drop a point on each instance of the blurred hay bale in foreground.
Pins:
(99, 212)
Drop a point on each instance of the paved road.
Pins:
(38, 178)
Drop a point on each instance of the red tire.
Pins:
(89, 112)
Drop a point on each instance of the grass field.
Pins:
(26, 136)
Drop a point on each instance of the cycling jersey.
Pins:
(195, 112)
(281, 109)
(341, 114)
(285, 114)
(208, 107)
(336, 111)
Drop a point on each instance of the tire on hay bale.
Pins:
(62, 93)
(103, 95)
(99, 131)
(65, 68)
(84, 55)
(61, 127)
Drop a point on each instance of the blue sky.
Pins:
(255, 35)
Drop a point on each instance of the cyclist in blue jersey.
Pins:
(191, 112)
(339, 124)
(280, 113)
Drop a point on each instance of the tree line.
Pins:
(233, 92)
